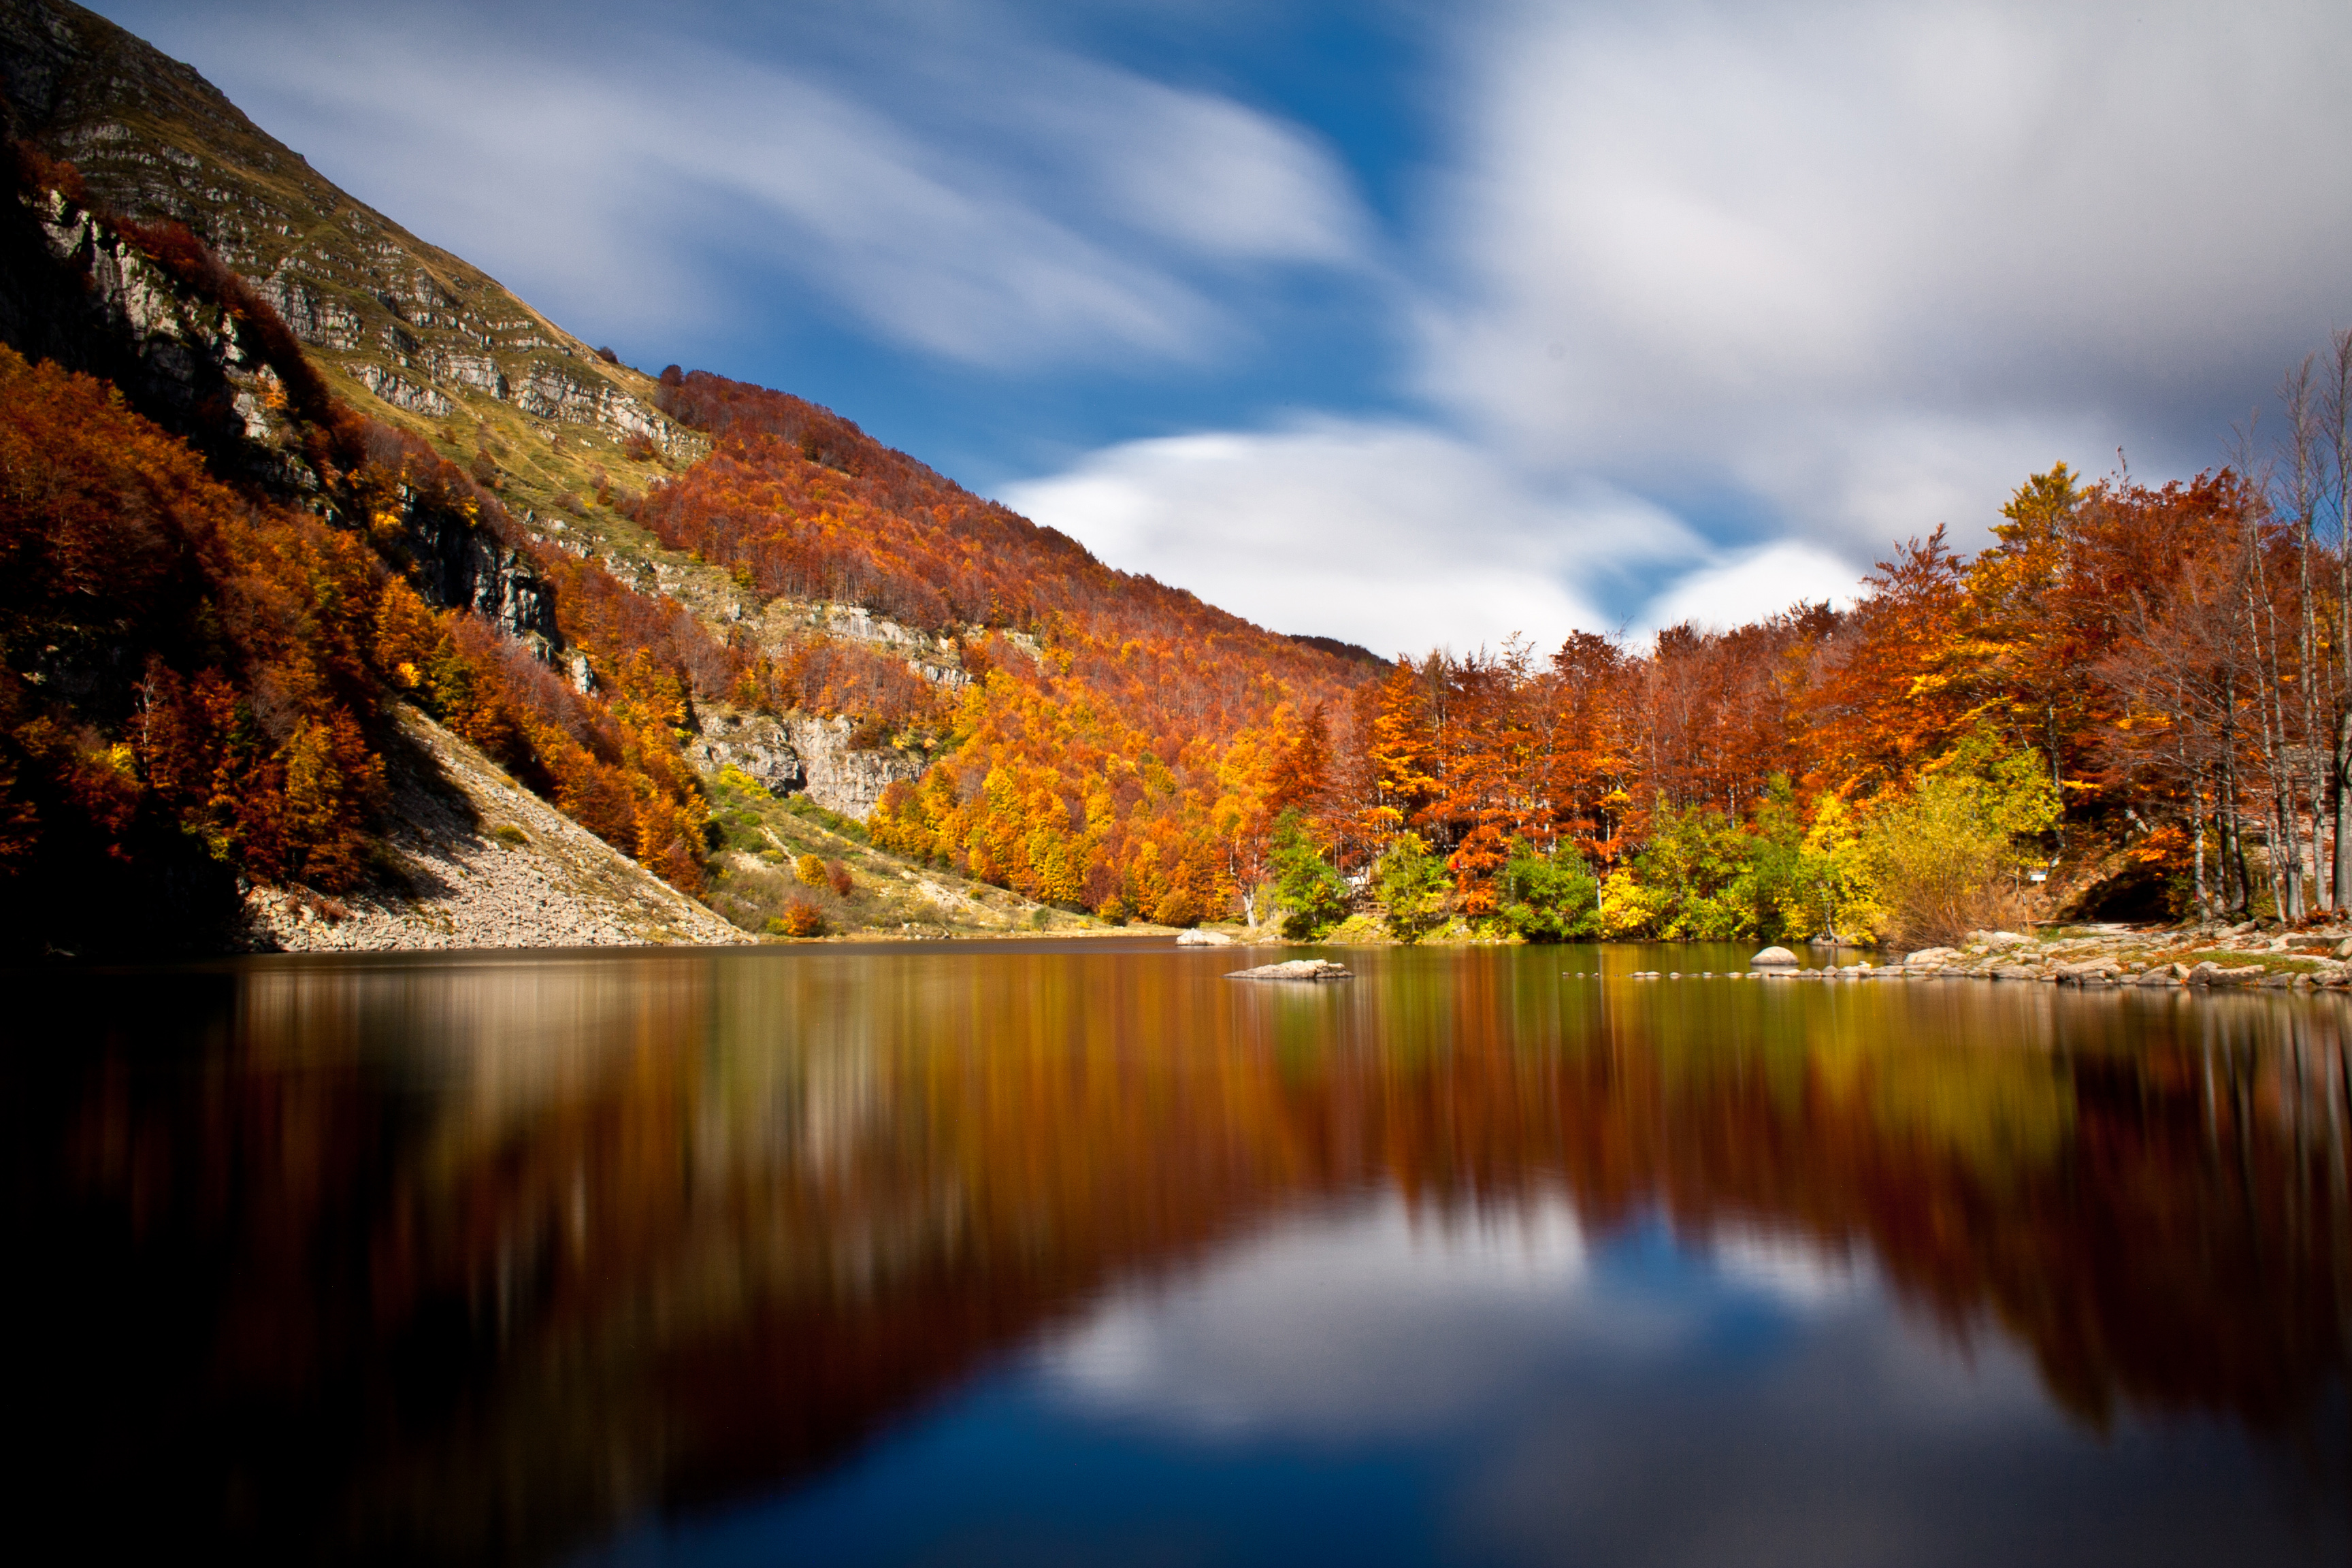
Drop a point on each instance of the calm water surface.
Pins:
(1059, 1254)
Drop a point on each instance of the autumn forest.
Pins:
(2136, 700)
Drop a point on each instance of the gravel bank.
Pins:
(485, 864)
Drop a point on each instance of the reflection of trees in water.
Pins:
(488, 1257)
(2155, 1205)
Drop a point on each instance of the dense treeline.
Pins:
(2138, 692)
(171, 660)
(2143, 693)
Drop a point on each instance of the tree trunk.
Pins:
(2343, 798)
(2286, 863)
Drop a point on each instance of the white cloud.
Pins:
(1392, 536)
(1859, 269)
(1202, 172)
(1792, 1269)
(978, 194)
(1870, 265)
(1751, 585)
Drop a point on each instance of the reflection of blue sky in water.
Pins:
(1382, 1384)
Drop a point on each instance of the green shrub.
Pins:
(1693, 870)
(1314, 895)
(1411, 887)
(1548, 897)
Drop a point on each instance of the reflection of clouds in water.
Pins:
(1791, 1267)
(1389, 1320)
(1384, 1322)
(1745, 1394)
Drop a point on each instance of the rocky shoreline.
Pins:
(2203, 957)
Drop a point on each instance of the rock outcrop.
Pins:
(2196, 958)
(752, 744)
(457, 562)
(76, 292)
(936, 656)
(802, 755)
(844, 778)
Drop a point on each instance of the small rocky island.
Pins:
(1296, 969)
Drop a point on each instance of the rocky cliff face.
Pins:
(802, 755)
(72, 290)
(457, 562)
(75, 290)
(936, 656)
(843, 778)
(753, 745)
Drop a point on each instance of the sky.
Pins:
(1414, 325)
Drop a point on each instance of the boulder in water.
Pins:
(1773, 958)
(1296, 969)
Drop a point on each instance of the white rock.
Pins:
(1296, 969)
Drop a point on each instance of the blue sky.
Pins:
(1408, 324)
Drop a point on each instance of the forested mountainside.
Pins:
(276, 468)
(1114, 744)
(227, 361)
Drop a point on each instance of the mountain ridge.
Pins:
(374, 302)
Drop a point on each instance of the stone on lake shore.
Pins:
(1203, 938)
(1296, 969)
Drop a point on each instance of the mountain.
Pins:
(793, 672)
(378, 309)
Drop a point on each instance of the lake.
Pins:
(997, 1253)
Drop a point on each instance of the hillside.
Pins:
(684, 610)
(1113, 743)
